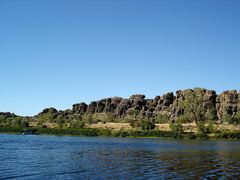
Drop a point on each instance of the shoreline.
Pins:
(130, 137)
(91, 132)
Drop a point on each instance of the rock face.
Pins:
(122, 107)
(164, 104)
(80, 108)
(168, 105)
(112, 104)
(7, 114)
(227, 104)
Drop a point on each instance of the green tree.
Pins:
(46, 117)
(193, 106)
(109, 117)
(147, 124)
(211, 114)
(3, 120)
(162, 118)
(60, 120)
(88, 118)
(24, 124)
(231, 120)
(183, 119)
(77, 122)
(237, 118)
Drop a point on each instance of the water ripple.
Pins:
(52, 157)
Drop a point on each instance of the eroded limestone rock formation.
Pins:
(169, 105)
(227, 104)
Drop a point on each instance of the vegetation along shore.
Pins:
(192, 113)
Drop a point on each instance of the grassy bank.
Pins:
(122, 133)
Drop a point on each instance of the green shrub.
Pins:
(5, 129)
(24, 124)
(201, 129)
(177, 130)
(43, 126)
(210, 128)
(133, 123)
(162, 118)
(236, 119)
(48, 116)
(190, 135)
(104, 132)
(109, 117)
(88, 118)
(201, 135)
(228, 135)
(77, 124)
(211, 114)
(141, 133)
(145, 124)
(183, 119)
(226, 119)
(60, 120)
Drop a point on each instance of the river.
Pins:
(65, 157)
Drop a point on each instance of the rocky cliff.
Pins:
(167, 105)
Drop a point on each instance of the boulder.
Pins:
(138, 101)
(122, 108)
(49, 110)
(101, 106)
(167, 99)
(113, 104)
(91, 107)
(80, 108)
(137, 96)
(210, 98)
(152, 102)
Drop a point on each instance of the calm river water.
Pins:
(54, 157)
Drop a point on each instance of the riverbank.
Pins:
(187, 127)
(234, 135)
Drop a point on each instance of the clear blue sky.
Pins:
(54, 53)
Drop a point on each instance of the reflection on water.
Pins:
(51, 157)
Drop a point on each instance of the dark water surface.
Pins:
(53, 157)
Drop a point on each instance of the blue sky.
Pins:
(54, 53)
